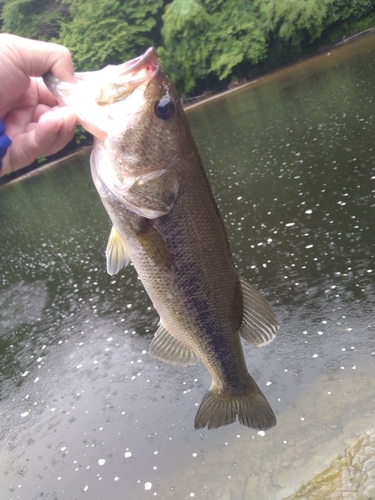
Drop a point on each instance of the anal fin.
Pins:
(170, 350)
(259, 322)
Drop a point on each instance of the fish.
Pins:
(149, 175)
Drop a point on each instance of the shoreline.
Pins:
(37, 170)
(200, 101)
(212, 97)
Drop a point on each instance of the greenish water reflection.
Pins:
(86, 413)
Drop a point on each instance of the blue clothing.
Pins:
(5, 142)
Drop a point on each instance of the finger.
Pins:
(45, 96)
(53, 131)
(40, 110)
(36, 58)
(20, 59)
(37, 92)
(25, 119)
(62, 121)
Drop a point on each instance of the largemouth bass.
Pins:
(149, 175)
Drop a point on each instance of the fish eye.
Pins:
(164, 107)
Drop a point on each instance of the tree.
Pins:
(354, 9)
(202, 37)
(295, 20)
(239, 34)
(201, 41)
(185, 48)
(109, 31)
(39, 19)
(342, 10)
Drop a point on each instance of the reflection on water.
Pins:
(86, 413)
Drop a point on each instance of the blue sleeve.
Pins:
(5, 142)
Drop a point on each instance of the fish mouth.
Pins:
(110, 84)
(142, 67)
(120, 81)
(115, 83)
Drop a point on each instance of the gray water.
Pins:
(87, 413)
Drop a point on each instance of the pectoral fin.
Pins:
(259, 323)
(170, 350)
(116, 253)
(152, 242)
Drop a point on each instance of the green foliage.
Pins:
(343, 30)
(40, 19)
(239, 34)
(185, 51)
(80, 135)
(353, 9)
(296, 20)
(203, 37)
(201, 42)
(109, 31)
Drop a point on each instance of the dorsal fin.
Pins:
(170, 350)
(259, 322)
(116, 253)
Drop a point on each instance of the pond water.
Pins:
(87, 413)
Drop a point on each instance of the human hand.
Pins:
(34, 123)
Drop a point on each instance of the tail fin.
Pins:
(252, 409)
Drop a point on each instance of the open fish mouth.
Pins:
(140, 68)
(120, 81)
(110, 84)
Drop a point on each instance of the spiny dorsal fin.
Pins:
(170, 350)
(116, 253)
(259, 323)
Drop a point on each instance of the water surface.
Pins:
(87, 413)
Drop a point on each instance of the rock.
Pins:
(351, 477)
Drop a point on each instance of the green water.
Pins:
(86, 413)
